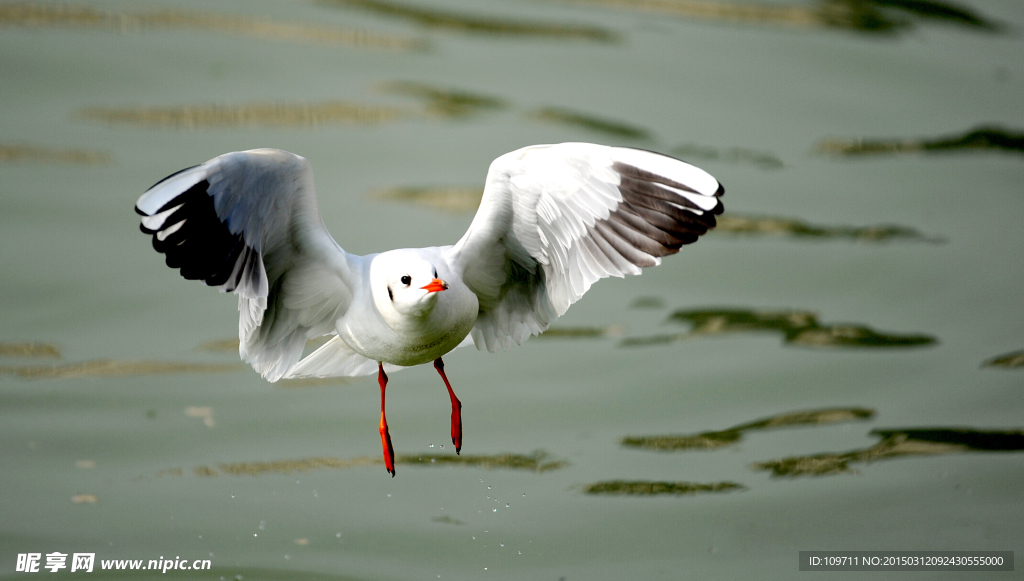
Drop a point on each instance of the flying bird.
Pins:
(553, 220)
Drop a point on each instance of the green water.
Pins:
(865, 285)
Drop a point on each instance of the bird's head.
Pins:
(405, 282)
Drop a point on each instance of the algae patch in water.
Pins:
(863, 16)
(607, 127)
(112, 368)
(761, 159)
(536, 462)
(446, 198)
(800, 328)
(467, 23)
(898, 444)
(446, 103)
(767, 225)
(727, 437)
(583, 332)
(648, 303)
(1006, 360)
(20, 152)
(248, 115)
(977, 139)
(649, 488)
(38, 15)
(447, 520)
(29, 349)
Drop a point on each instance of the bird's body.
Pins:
(553, 220)
(376, 330)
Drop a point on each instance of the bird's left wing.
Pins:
(554, 219)
(248, 222)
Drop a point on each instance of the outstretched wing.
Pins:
(248, 222)
(554, 219)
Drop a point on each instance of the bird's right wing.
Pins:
(248, 222)
(554, 219)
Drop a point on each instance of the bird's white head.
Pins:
(404, 284)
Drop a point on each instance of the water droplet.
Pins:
(501, 544)
(315, 495)
(520, 552)
(263, 525)
(488, 488)
(524, 495)
(442, 447)
(338, 535)
(506, 505)
(432, 460)
(286, 557)
(431, 445)
(494, 510)
(254, 534)
(389, 495)
(474, 537)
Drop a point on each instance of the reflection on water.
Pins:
(768, 225)
(445, 519)
(761, 159)
(34, 15)
(20, 152)
(648, 488)
(648, 303)
(112, 368)
(867, 16)
(797, 328)
(557, 332)
(979, 138)
(29, 349)
(1009, 360)
(203, 412)
(220, 346)
(301, 382)
(249, 115)
(730, 436)
(898, 444)
(536, 462)
(606, 127)
(447, 103)
(460, 22)
(448, 199)
(83, 498)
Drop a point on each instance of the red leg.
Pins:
(456, 407)
(385, 437)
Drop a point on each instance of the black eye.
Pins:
(406, 279)
(435, 273)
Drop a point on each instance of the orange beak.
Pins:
(435, 286)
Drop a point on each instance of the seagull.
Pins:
(553, 220)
